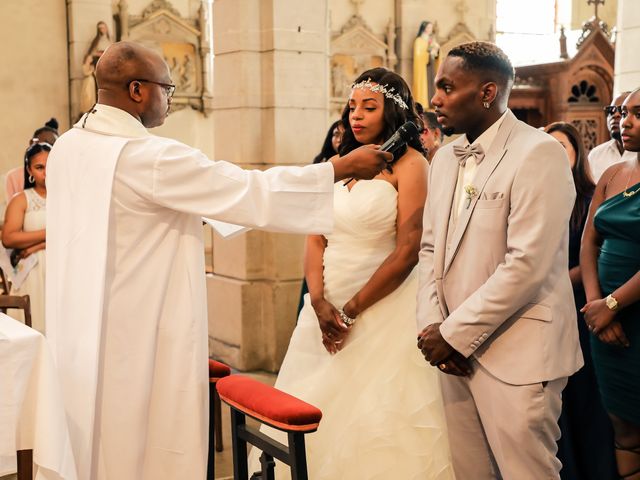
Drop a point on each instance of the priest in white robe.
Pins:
(126, 304)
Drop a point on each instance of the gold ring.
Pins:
(442, 366)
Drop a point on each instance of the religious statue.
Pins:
(426, 59)
(99, 44)
(88, 90)
(339, 81)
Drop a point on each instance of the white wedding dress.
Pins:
(381, 403)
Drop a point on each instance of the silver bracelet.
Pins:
(346, 319)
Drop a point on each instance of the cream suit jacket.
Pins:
(498, 279)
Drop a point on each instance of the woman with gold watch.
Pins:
(610, 264)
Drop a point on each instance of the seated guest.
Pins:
(431, 135)
(585, 447)
(610, 264)
(14, 179)
(24, 230)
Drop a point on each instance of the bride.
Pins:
(353, 352)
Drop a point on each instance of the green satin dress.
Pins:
(617, 220)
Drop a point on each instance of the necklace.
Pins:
(626, 194)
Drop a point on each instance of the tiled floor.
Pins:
(224, 462)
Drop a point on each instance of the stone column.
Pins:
(627, 65)
(33, 74)
(270, 108)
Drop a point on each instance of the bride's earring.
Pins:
(31, 179)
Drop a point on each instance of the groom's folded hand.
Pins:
(434, 348)
(457, 365)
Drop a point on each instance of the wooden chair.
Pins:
(18, 302)
(217, 370)
(5, 284)
(25, 457)
(272, 407)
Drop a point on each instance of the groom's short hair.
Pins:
(488, 60)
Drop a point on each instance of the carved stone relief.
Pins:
(353, 50)
(181, 41)
(460, 33)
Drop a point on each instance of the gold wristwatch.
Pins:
(612, 303)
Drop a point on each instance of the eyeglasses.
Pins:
(169, 89)
(611, 109)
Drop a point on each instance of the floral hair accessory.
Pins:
(387, 92)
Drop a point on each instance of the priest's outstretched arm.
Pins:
(288, 199)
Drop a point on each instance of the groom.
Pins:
(495, 300)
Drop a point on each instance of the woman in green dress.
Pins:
(610, 264)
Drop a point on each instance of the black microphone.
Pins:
(400, 138)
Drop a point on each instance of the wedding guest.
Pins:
(15, 178)
(610, 264)
(352, 353)
(24, 230)
(431, 135)
(611, 151)
(331, 142)
(585, 447)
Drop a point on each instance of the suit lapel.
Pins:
(449, 179)
(491, 160)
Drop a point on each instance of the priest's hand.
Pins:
(364, 162)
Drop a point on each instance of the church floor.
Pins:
(224, 460)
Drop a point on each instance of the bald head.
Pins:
(126, 61)
(135, 79)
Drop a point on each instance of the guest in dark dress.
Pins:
(610, 262)
(329, 149)
(585, 447)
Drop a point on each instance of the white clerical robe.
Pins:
(126, 303)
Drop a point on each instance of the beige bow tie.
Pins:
(464, 153)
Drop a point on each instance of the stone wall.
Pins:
(270, 108)
(627, 68)
(33, 73)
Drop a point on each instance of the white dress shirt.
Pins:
(605, 155)
(467, 173)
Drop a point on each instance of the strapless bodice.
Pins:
(364, 235)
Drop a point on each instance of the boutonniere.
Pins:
(471, 193)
